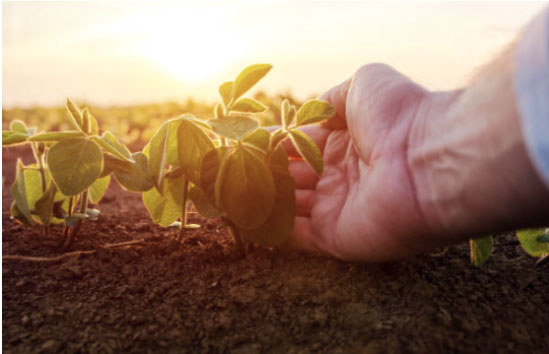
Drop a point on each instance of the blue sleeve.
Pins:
(532, 90)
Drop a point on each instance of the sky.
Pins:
(120, 53)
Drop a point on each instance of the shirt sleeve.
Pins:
(532, 90)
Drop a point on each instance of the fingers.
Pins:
(337, 97)
(303, 174)
(302, 237)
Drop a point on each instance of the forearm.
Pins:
(469, 161)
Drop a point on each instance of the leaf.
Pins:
(44, 205)
(193, 144)
(529, 241)
(98, 188)
(163, 149)
(314, 111)
(280, 223)
(543, 238)
(165, 207)
(202, 203)
(247, 189)
(308, 150)
(209, 170)
(94, 127)
(279, 160)
(259, 138)
(233, 127)
(18, 216)
(57, 136)
(133, 176)
(75, 164)
(93, 213)
(85, 120)
(285, 114)
(481, 248)
(18, 126)
(218, 111)
(19, 194)
(109, 142)
(12, 138)
(248, 78)
(249, 105)
(74, 114)
(226, 92)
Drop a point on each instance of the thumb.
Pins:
(337, 97)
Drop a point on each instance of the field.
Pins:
(201, 296)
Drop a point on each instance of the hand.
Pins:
(364, 206)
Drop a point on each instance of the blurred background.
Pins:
(125, 58)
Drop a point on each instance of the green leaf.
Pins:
(163, 149)
(233, 127)
(44, 205)
(74, 114)
(209, 171)
(280, 223)
(529, 242)
(481, 248)
(193, 144)
(226, 92)
(314, 111)
(248, 78)
(279, 160)
(218, 111)
(19, 194)
(133, 176)
(12, 138)
(247, 190)
(202, 203)
(85, 120)
(259, 138)
(75, 164)
(98, 188)
(285, 114)
(165, 206)
(94, 127)
(249, 105)
(109, 142)
(308, 150)
(18, 216)
(543, 238)
(18, 126)
(57, 136)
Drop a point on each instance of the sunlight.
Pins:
(190, 48)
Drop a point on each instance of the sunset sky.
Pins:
(135, 52)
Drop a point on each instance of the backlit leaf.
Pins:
(75, 164)
(74, 114)
(481, 248)
(209, 170)
(94, 128)
(109, 142)
(18, 216)
(165, 206)
(85, 120)
(19, 194)
(18, 126)
(285, 114)
(259, 138)
(226, 92)
(44, 205)
(134, 176)
(529, 242)
(98, 188)
(247, 189)
(249, 105)
(201, 202)
(163, 149)
(12, 138)
(233, 127)
(308, 150)
(218, 111)
(57, 136)
(314, 111)
(193, 144)
(248, 78)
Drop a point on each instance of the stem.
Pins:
(83, 207)
(66, 228)
(183, 227)
(233, 231)
(40, 163)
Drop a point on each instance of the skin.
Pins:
(407, 170)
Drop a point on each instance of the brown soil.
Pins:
(197, 297)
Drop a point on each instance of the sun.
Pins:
(189, 48)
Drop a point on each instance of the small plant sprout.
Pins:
(69, 169)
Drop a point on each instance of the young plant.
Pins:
(69, 169)
(230, 167)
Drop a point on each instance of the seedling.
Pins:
(71, 167)
(230, 167)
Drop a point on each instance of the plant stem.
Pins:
(83, 207)
(40, 163)
(183, 227)
(233, 231)
(66, 228)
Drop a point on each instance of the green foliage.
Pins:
(308, 150)
(314, 111)
(75, 164)
(111, 145)
(98, 188)
(57, 136)
(165, 203)
(248, 78)
(133, 176)
(533, 241)
(19, 194)
(193, 143)
(249, 105)
(233, 127)
(481, 248)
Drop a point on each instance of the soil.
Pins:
(197, 296)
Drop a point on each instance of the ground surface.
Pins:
(196, 297)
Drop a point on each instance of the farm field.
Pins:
(200, 295)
